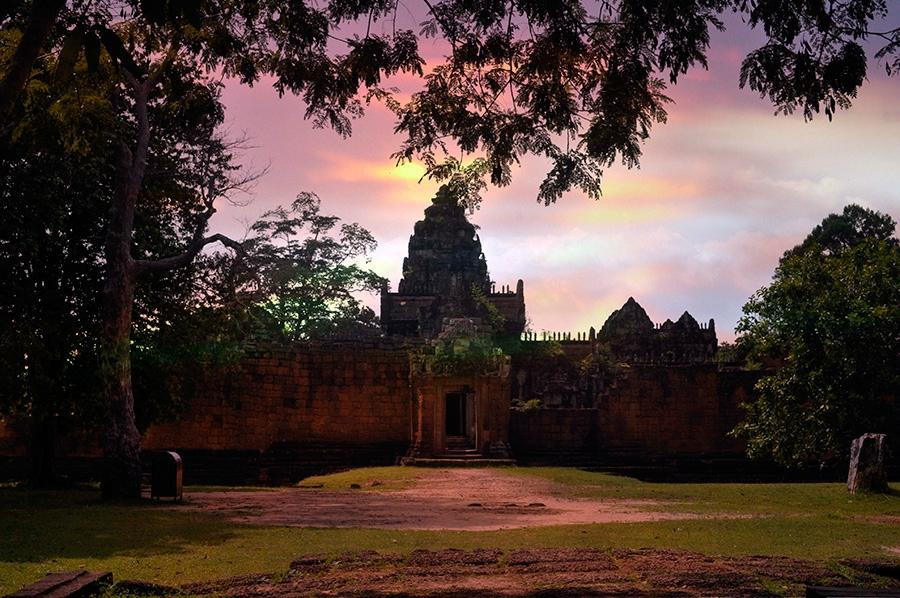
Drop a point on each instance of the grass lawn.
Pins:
(808, 499)
(379, 479)
(48, 531)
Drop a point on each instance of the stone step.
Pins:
(461, 446)
(65, 584)
(450, 462)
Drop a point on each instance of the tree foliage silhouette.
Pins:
(831, 317)
(578, 83)
(297, 276)
(294, 278)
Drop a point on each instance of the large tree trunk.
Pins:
(43, 16)
(121, 439)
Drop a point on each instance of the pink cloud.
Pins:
(723, 190)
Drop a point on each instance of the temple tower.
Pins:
(442, 274)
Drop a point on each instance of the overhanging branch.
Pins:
(185, 257)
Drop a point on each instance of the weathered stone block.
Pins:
(867, 472)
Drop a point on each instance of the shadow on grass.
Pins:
(37, 526)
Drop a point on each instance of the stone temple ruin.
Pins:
(628, 391)
(444, 276)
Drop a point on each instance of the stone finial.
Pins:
(867, 472)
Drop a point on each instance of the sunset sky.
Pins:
(724, 188)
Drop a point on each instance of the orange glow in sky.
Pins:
(724, 188)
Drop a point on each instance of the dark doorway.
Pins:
(456, 414)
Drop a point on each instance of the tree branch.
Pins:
(446, 26)
(184, 258)
(43, 16)
(132, 177)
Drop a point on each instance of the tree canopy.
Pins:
(831, 319)
(576, 82)
(57, 182)
(297, 276)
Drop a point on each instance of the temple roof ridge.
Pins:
(687, 321)
(629, 318)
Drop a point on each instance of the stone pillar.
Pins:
(867, 464)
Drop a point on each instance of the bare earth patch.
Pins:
(446, 499)
(532, 572)
(880, 519)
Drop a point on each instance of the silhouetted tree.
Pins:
(53, 199)
(831, 317)
(297, 277)
(294, 278)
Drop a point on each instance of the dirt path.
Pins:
(446, 499)
(534, 572)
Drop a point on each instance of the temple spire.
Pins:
(445, 255)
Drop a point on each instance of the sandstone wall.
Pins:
(279, 415)
(673, 410)
(331, 392)
(561, 430)
(652, 411)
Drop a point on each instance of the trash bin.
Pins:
(167, 476)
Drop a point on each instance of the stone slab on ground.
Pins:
(848, 592)
(867, 471)
(65, 584)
